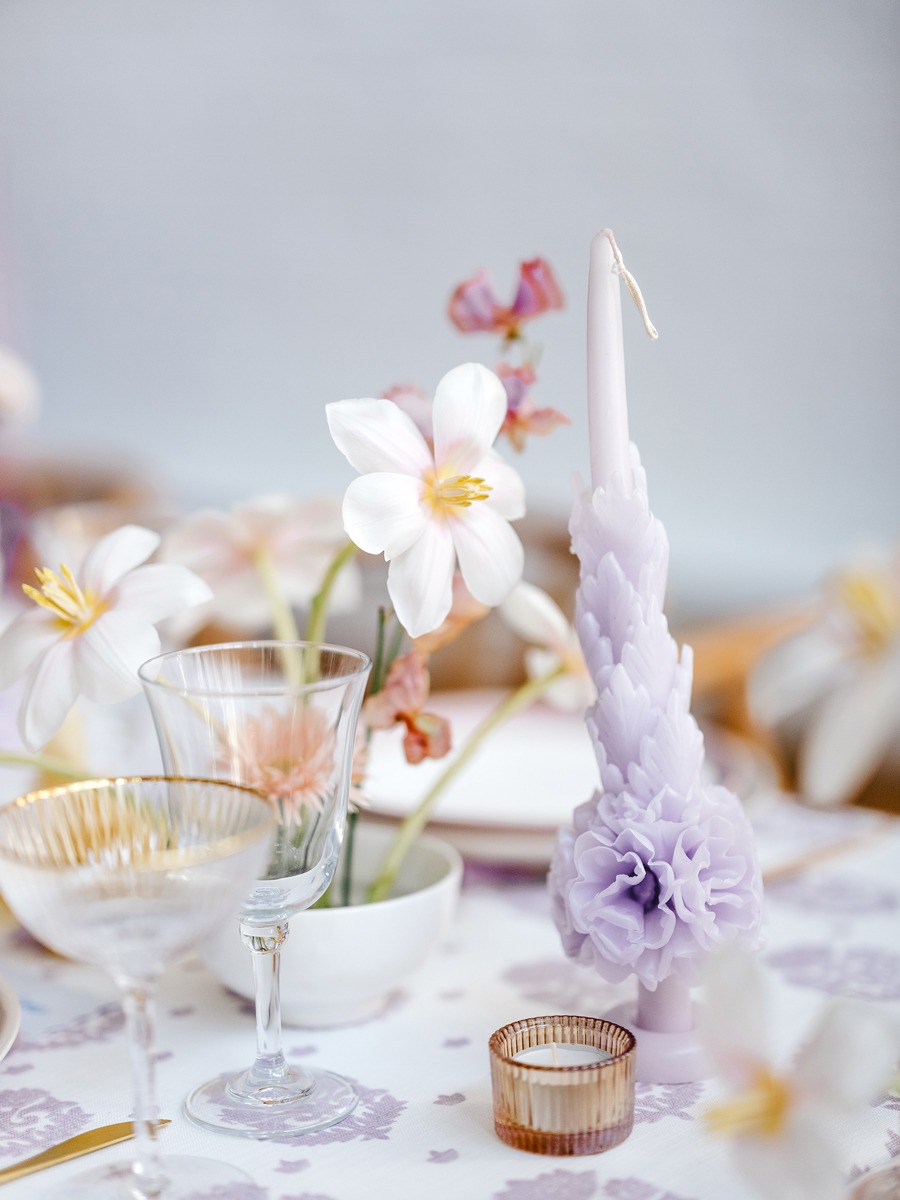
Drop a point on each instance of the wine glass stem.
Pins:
(138, 1002)
(265, 946)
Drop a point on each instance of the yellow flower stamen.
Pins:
(874, 605)
(759, 1111)
(456, 491)
(60, 594)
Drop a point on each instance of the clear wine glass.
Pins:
(279, 717)
(128, 875)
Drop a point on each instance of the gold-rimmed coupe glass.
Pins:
(130, 875)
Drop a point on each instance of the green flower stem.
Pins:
(415, 822)
(45, 763)
(318, 613)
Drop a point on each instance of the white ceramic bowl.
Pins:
(340, 965)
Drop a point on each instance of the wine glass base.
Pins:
(186, 1179)
(878, 1185)
(215, 1106)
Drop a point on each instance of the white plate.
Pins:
(10, 1017)
(508, 801)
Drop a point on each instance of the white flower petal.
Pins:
(108, 654)
(491, 557)
(469, 408)
(852, 1056)
(203, 535)
(420, 581)
(50, 691)
(535, 616)
(114, 555)
(793, 674)
(799, 1164)
(735, 1020)
(29, 636)
(850, 732)
(374, 435)
(507, 488)
(383, 513)
(160, 590)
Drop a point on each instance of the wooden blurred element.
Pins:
(34, 482)
(725, 653)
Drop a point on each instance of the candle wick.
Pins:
(620, 269)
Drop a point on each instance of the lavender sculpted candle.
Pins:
(658, 867)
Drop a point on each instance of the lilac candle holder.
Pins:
(563, 1085)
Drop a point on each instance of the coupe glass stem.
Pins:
(138, 997)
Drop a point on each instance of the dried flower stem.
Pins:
(415, 822)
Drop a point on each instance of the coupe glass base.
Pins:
(878, 1185)
(214, 1106)
(185, 1179)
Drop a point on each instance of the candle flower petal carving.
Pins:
(659, 867)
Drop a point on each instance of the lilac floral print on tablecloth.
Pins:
(100, 1025)
(557, 1185)
(636, 1189)
(841, 895)
(655, 1101)
(560, 986)
(31, 1119)
(858, 972)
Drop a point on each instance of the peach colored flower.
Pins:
(288, 756)
(410, 399)
(400, 702)
(465, 610)
(474, 307)
(523, 417)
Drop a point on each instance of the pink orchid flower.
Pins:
(474, 307)
(401, 701)
(523, 417)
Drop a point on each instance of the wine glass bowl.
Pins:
(279, 717)
(129, 875)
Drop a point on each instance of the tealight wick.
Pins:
(620, 268)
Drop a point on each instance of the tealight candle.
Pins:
(563, 1085)
(562, 1054)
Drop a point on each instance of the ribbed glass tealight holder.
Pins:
(563, 1085)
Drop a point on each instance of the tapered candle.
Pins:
(607, 407)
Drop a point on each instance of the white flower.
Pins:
(841, 677)
(19, 390)
(425, 510)
(91, 631)
(784, 1122)
(295, 540)
(539, 620)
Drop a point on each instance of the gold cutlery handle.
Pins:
(73, 1147)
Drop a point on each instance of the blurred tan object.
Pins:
(65, 532)
(82, 500)
(725, 653)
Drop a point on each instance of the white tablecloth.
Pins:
(424, 1125)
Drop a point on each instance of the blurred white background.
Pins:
(217, 215)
